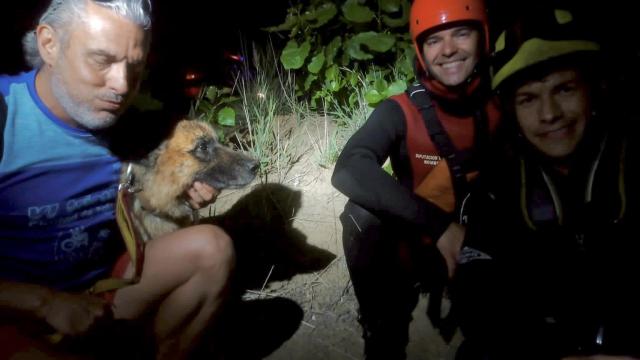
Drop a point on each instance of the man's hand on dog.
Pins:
(201, 195)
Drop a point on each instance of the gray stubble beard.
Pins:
(81, 113)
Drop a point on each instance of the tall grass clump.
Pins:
(252, 115)
(267, 94)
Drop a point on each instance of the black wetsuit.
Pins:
(550, 264)
(385, 224)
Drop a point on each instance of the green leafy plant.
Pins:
(214, 105)
(328, 36)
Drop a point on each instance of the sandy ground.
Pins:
(328, 328)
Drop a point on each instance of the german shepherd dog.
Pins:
(160, 180)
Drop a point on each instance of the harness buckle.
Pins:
(128, 180)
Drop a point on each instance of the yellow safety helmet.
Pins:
(538, 36)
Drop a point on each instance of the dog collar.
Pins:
(127, 184)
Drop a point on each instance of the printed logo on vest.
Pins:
(429, 159)
(468, 254)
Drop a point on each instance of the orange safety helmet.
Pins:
(427, 14)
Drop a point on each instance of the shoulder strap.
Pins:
(420, 97)
(3, 122)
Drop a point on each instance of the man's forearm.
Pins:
(19, 300)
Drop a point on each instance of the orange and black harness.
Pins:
(446, 185)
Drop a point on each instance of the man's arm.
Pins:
(25, 299)
(66, 313)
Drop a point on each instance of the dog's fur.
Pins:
(159, 182)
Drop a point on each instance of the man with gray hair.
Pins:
(58, 183)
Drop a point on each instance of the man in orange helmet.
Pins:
(393, 226)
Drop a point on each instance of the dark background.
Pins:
(191, 36)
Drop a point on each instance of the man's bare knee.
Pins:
(178, 263)
(211, 247)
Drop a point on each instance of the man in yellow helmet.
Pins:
(549, 262)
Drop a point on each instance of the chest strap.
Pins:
(440, 138)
